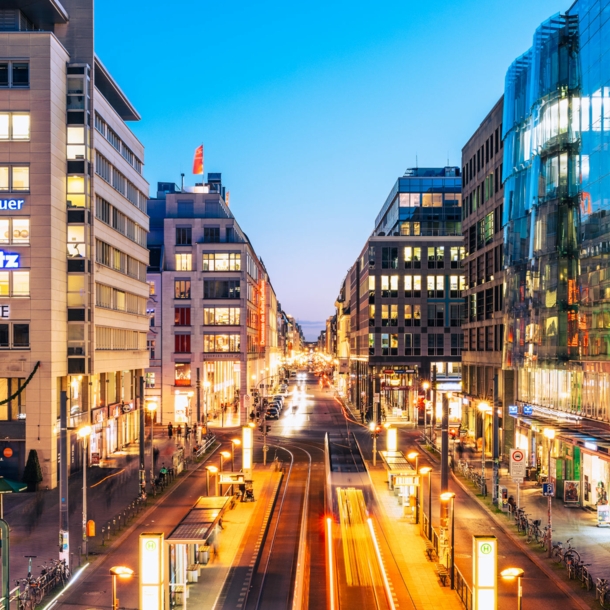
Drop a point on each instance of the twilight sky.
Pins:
(311, 110)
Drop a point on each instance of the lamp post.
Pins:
(206, 387)
(151, 407)
(425, 385)
(483, 408)
(224, 455)
(449, 496)
(84, 433)
(123, 573)
(374, 428)
(427, 470)
(512, 574)
(214, 471)
(234, 441)
(413, 455)
(549, 433)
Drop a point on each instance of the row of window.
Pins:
(412, 344)
(412, 257)
(213, 261)
(15, 283)
(107, 338)
(483, 304)
(412, 315)
(212, 289)
(484, 338)
(483, 268)
(482, 232)
(117, 143)
(429, 200)
(14, 74)
(431, 228)
(105, 170)
(212, 316)
(109, 256)
(435, 285)
(15, 126)
(114, 218)
(14, 178)
(211, 235)
(484, 154)
(119, 300)
(483, 192)
(14, 230)
(14, 336)
(211, 343)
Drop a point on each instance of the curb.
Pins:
(581, 603)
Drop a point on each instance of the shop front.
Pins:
(397, 388)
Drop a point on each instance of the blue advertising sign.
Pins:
(513, 410)
(9, 261)
(548, 489)
(11, 204)
(528, 410)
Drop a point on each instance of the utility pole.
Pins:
(199, 404)
(445, 444)
(496, 444)
(142, 471)
(64, 529)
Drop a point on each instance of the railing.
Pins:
(210, 440)
(462, 589)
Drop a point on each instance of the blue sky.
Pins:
(311, 110)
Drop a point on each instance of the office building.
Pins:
(557, 247)
(482, 201)
(73, 228)
(405, 295)
(213, 309)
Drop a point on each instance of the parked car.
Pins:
(272, 413)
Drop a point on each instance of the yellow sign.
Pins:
(485, 572)
(151, 571)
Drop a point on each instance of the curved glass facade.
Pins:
(557, 213)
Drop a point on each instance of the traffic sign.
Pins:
(517, 480)
(548, 489)
(517, 464)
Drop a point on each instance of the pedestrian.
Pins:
(179, 431)
(252, 415)
(195, 429)
(187, 431)
(460, 450)
(170, 430)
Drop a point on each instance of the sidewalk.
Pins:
(408, 548)
(33, 517)
(575, 523)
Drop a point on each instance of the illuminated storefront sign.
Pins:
(151, 571)
(11, 204)
(263, 314)
(9, 261)
(246, 445)
(5, 312)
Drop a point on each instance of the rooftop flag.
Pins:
(198, 161)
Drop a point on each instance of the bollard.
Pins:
(103, 536)
(119, 522)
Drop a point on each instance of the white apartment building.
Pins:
(73, 228)
(212, 308)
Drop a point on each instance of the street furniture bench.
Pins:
(430, 552)
(442, 573)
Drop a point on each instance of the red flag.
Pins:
(198, 161)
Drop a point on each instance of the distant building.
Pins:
(405, 294)
(212, 307)
(482, 205)
(73, 227)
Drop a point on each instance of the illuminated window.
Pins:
(221, 316)
(221, 343)
(76, 184)
(76, 241)
(182, 373)
(21, 230)
(222, 261)
(371, 344)
(4, 283)
(20, 178)
(21, 283)
(184, 262)
(14, 126)
(371, 315)
(182, 289)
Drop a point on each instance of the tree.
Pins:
(32, 474)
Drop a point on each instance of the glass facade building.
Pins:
(556, 131)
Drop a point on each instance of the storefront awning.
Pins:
(200, 521)
(397, 463)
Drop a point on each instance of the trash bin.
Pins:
(192, 573)
(204, 554)
(503, 495)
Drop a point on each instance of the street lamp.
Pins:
(374, 434)
(446, 497)
(426, 385)
(84, 433)
(121, 572)
(511, 574)
(214, 471)
(413, 455)
(224, 455)
(483, 408)
(427, 470)
(234, 441)
(151, 407)
(549, 433)
(206, 387)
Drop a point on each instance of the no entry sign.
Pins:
(517, 463)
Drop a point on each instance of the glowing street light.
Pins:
(449, 496)
(214, 471)
(511, 574)
(84, 433)
(484, 408)
(123, 573)
(427, 470)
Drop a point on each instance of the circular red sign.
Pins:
(518, 456)
(8, 452)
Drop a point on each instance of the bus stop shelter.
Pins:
(188, 546)
(403, 479)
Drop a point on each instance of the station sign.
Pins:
(11, 204)
(231, 478)
(9, 260)
(484, 570)
(151, 571)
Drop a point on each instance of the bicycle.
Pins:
(601, 588)
(585, 578)
(546, 535)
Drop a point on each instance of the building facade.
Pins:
(557, 304)
(405, 295)
(213, 309)
(73, 229)
(482, 204)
